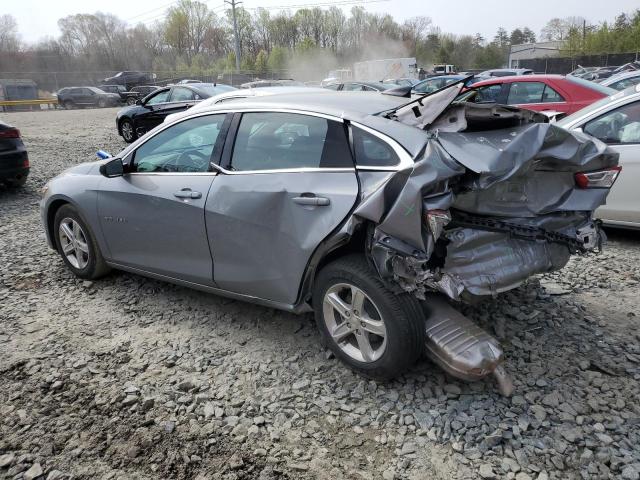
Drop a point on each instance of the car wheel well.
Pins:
(51, 215)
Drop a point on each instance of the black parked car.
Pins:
(139, 92)
(72, 97)
(14, 162)
(128, 79)
(149, 112)
(117, 89)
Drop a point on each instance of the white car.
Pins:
(242, 93)
(616, 121)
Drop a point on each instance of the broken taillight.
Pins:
(25, 162)
(10, 133)
(598, 179)
(436, 221)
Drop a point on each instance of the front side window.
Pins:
(181, 94)
(352, 87)
(185, 147)
(270, 140)
(427, 87)
(620, 126)
(487, 94)
(160, 97)
(372, 151)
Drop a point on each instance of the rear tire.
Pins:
(131, 101)
(102, 103)
(78, 247)
(395, 340)
(127, 131)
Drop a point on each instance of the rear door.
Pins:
(620, 129)
(290, 181)
(152, 217)
(536, 96)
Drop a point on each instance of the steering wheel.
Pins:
(186, 162)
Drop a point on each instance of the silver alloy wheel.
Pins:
(127, 130)
(354, 322)
(74, 243)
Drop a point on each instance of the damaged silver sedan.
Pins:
(375, 212)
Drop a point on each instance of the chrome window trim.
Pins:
(405, 159)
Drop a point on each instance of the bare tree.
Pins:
(9, 38)
(414, 30)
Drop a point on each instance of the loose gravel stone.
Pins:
(129, 377)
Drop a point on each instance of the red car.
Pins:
(542, 93)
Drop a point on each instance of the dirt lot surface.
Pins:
(131, 378)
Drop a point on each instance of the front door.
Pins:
(152, 217)
(291, 182)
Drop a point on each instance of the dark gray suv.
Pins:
(75, 97)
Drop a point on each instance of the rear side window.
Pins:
(272, 141)
(181, 94)
(525, 92)
(372, 151)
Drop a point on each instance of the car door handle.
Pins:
(187, 193)
(312, 200)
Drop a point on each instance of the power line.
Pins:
(144, 14)
(318, 4)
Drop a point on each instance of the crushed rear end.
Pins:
(496, 195)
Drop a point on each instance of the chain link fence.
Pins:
(50, 82)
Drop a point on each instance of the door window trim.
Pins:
(405, 159)
(233, 133)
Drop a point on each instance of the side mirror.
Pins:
(113, 168)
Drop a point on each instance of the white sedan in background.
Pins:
(616, 121)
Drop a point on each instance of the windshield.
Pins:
(211, 90)
(592, 85)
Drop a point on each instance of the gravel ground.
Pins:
(129, 378)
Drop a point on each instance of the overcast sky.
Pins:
(38, 18)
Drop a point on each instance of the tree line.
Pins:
(192, 37)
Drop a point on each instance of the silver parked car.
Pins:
(361, 208)
(616, 121)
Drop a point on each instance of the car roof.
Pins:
(358, 107)
(519, 78)
(620, 76)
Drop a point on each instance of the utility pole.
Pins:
(233, 4)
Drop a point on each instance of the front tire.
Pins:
(102, 103)
(69, 105)
(377, 333)
(77, 245)
(127, 131)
